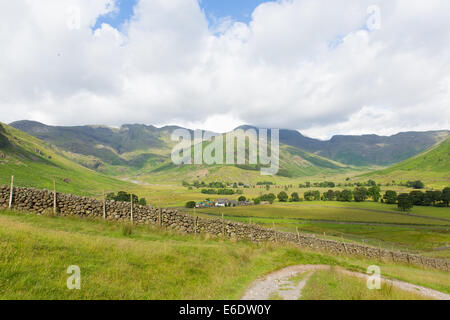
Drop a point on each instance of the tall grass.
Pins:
(332, 285)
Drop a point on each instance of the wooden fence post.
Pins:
(54, 196)
(131, 202)
(11, 192)
(104, 205)
(160, 217)
(298, 234)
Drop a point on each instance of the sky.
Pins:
(321, 67)
(215, 11)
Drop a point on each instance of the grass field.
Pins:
(332, 285)
(35, 252)
(337, 211)
(375, 224)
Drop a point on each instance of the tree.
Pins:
(415, 184)
(404, 202)
(390, 197)
(346, 195)
(337, 195)
(374, 193)
(283, 196)
(308, 195)
(312, 195)
(142, 202)
(436, 196)
(360, 194)
(417, 197)
(242, 198)
(122, 196)
(446, 196)
(295, 197)
(190, 204)
(268, 197)
(257, 201)
(329, 195)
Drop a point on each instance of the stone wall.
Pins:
(41, 201)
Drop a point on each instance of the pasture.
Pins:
(149, 263)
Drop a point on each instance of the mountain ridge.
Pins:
(356, 150)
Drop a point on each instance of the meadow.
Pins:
(375, 224)
(149, 263)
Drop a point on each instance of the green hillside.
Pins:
(432, 166)
(35, 163)
(366, 150)
(141, 152)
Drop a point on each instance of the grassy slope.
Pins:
(150, 264)
(38, 169)
(432, 166)
(144, 153)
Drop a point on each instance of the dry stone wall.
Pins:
(41, 201)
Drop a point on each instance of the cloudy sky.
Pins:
(322, 67)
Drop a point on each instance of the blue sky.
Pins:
(238, 10)
(116, 19)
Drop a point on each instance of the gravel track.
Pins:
(279, 284)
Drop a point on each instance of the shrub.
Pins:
(190, 204)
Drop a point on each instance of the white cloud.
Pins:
(308, 65)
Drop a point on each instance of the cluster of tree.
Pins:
(345, 195)
(313, 195)
(264, 183)
(270, 197)
(219, 191)
(331, 184)
(214, 184)
(419, 198)
(124, 196)
(415, 184)
(324, 184)
(359, 194)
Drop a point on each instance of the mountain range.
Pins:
(142, 152)
(109, 144)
